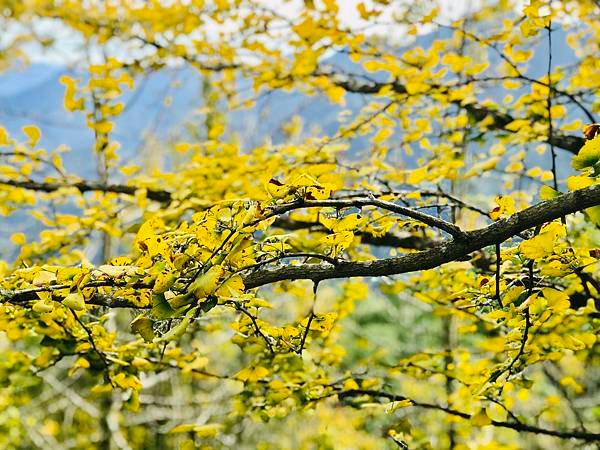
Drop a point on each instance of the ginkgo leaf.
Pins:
(593, 214)
(178, 330)
(127, 381)
(4, 137)
(588, 156)
(542, 244)
(207, 282)
(579, 182)
(321, 322)
(161, 309)
(480, 419)
(33, 133)
(42, 306)
(252, 374)
(163, 282)
(75, 301)
(548, 193)
(143, 326)
(506, 206)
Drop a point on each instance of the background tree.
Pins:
(423, 275)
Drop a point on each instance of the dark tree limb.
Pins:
(479, 112)
(88, 186)
(427, 219)
(441, 253)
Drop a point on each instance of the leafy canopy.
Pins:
(416, 276)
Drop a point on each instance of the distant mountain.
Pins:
(34, 95)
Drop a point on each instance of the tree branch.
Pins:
(433, 221)
(163, 196)
(517, 426)
(477, 111)
(88, 186)
(441, 253)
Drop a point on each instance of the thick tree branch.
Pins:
(433, 221)
(87, 186)
(439, 254)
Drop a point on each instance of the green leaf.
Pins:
(593, 214)
(143, 326)
(178, 330)
(160, 307)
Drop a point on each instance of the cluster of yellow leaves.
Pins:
(187, 255)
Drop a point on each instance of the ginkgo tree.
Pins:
(424, 276)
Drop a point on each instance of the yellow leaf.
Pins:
(417, 175)
(42, 306)
(548, 193)
(382, 135)
(207, 282)
(143, 326)
(347, 223)
(506, 207)
(512, 294)
(259, 303)
(18, 238)
(232, 287)
(3, 137)
(579, 182)
(337, 242)
(129, 170)
(350, 385)
(163, 282)
(252, 373)
(33, 133)
(480, 419)
(322, 323)
(75, 301)
(100, 389)
(542, 244)
(496, 412)
(557, 300)
(588, 156)
(126, 381)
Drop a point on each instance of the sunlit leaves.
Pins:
(74, 301)
(252, 374)
(33, 133)
(143, 326)
(505, 207)
(544, 243)
(420, 130)
(588, 156)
